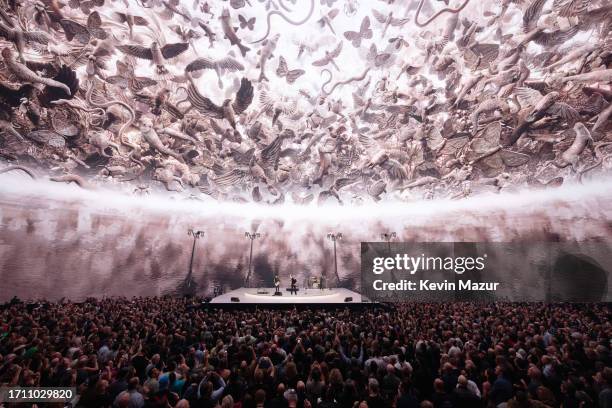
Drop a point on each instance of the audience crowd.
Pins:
(161, 352)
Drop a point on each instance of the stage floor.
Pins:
(304, 296)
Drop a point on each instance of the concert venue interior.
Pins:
(200, 201)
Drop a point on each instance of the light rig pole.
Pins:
(388, 237)
(335, 236)
(188, 285)
(252, 236)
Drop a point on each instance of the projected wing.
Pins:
(454, 145)
(36, 36)
(139, 83)
(42, 136)
(344, 182)
(243, 159)
(270, 103)
(65, 127)
(123, 68)
(487, 139)
(120, 17)
(230, 64)
(435, 139)
(174, 50)
(284, 71)
(380, 17)
(244, 96)
(491, 165)
(354, 37)
(237, 4)
(372, 52)
(136, 51)
(364, 29)
(377, 188)
(103, 55)
(232, 177)
(367, 141)
(202, 104)
(270, 153)
(66, 76)
(532, 14)
(94, 25)
(528, 96)
(141, 21)
(123, 18)
(487, 52)
(333, 13)
(395, 169)
(73, 30)
(321, 62)
(266, 101)
(570, 8)
(375, 57)
(358, 101)
(336, 52)
(11, 96)
(381, 59)
(250, 23)
(364, 33)
(396, 22)
(568, 113)
(303, 200)
(220, 130)
(558, 37)
(513, 159)
(199, 64)
(293, 75)
(225, 64)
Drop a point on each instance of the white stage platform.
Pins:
(305, 296)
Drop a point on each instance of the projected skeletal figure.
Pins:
(385, 101)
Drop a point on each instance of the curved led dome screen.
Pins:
(125, 124)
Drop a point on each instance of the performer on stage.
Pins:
(293, 288)
(322, 282)
(277, 291)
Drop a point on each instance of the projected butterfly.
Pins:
(365, 33)
(82, 33)
(326, 20)
(376, 58)
(126, 79)
(283, 71)
(398, 42)
(250, 23)
(237, 4)
(85, 5)
(350, 7)
(269, 4)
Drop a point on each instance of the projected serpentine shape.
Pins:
(337, 84)
(287, 19)
(432, 18)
